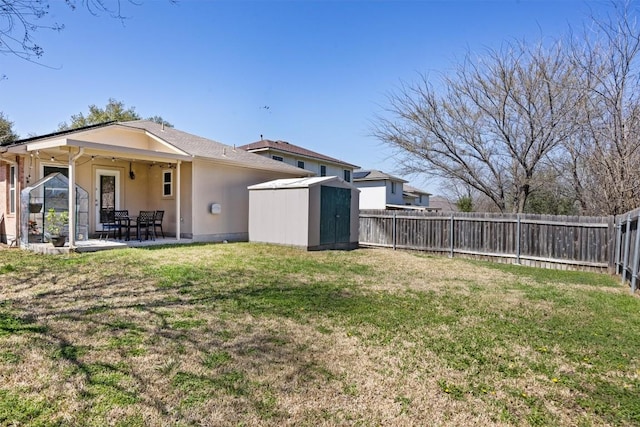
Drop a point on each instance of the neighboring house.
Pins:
(415, 197)
(141, 165)
(443, 204)
(379, 190)
(302, 158)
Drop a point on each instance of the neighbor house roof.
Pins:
(443, 204)
(374, 175)
(406, 188)
(286, 147)
(185, 144)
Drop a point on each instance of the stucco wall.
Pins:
(225, 185)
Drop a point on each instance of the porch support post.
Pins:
(178, 195)
(72, 197)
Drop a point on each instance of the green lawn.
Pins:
(243, 334)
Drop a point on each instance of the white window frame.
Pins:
(278, 158)
(166, 172)
(301, 164)
(13, 171)
(323, 172)
(346, 174)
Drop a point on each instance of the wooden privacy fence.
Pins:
(563, 242)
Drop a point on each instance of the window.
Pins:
(48, 170)
(347, 175)
(278, 158)
(323, 170)
(393, 187)
(300, 164)
(12, 189)
(167, 183)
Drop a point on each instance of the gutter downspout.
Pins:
(16, 195)
(72, 197)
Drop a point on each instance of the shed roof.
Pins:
(300, 183)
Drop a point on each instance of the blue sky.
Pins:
(323, 68)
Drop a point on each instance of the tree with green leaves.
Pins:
(7, 135)
(465, 204)
(113, 111)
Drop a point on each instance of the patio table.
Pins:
(126, 222)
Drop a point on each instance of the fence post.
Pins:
(451, 236)
(395, 230)
(627, 241)
(636, 259)
(518, 229)
(618, 224)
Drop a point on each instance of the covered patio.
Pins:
(137, 173)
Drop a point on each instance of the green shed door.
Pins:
(335, 215)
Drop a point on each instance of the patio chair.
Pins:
(108, 221)
(145, 221)
(124, 222)
(157, 222)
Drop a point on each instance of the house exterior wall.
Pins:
(394, 198)
(225, 185)
(424, 201)
(280, 216)
(373, 194)
(309, 164)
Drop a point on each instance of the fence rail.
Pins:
(565, 242)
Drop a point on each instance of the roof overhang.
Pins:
(109, 149)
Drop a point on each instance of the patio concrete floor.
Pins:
(93, 245)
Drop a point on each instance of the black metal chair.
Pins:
(108, 221)
(124, 222)
(145, 221)
(157, 222)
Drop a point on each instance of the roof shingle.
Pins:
(287, 147)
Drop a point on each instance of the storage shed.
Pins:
(314, 213)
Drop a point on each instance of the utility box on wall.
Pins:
(315, 213)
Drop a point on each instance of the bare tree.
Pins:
(495, 122)
(604, 156)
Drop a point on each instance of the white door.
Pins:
(107, 192)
